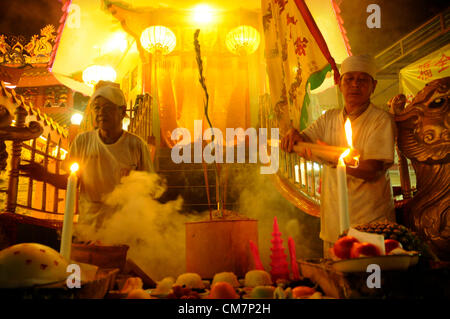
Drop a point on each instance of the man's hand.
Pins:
(368, 170)
(290, 139)
(39, 173)
(34, 171)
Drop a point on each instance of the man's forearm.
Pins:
(59, 181)
(368, 170)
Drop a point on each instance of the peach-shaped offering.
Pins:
(190, 280)
(302, 291)
(343, 246)
(255, 278)
(227, 277)
(223, 290)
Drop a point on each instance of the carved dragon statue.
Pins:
(424, 138)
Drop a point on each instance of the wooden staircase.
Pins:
(188, 181)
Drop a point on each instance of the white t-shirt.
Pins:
(103, 165)
(373, 136)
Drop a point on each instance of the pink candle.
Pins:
(255, 253)
(294, 266)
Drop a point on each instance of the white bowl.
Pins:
(388, 262)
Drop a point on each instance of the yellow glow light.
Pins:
(62, 155)
(95, 73)
(9, 85)
(348, 133)
(125, 123)
(243, 40)
(202, 14)
(118, 41)
(74, 167)
(76, 119)
(345, 153)
(158, 39)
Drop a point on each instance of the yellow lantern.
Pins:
(95, 73)
(158, 39)
(76, 118)
(243, 40)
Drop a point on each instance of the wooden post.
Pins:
(13, 183)
(44, 185)
(30, 182)
(404, 175)
(57, 166)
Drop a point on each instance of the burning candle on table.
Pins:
(71, 192)
(344, 219)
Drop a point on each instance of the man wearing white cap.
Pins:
(369, 189)
(105, 154)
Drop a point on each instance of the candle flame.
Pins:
(348, 133)
(345, 153)
(74, 167)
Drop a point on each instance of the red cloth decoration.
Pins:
(312, 26)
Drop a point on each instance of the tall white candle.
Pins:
(344, 219)
(71, 193)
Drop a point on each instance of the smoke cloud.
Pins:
(154, 231)
(259, 199)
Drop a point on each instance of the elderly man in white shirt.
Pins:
(105, 155)
(369, 187)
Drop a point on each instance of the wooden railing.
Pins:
(23, 194)
(45, 201)
(141, 121)
(298, 179)
(141, 117)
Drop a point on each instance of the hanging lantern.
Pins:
(76, 119)
(243, 40)
(95, 73)
(158, 39)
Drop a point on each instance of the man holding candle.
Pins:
(369, 189)
(104, 155)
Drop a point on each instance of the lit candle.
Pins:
(71, 193)
(344, 219)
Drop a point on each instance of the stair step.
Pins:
(165, 161)
(188, 181)
(205, 207)
(198, 194)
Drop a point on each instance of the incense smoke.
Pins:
(154, 231)
(259, 199)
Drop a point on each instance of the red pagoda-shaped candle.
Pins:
(280, 268)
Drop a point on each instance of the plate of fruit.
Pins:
(351, 254)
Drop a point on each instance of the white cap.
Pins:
(110, 91)
(359, 63)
